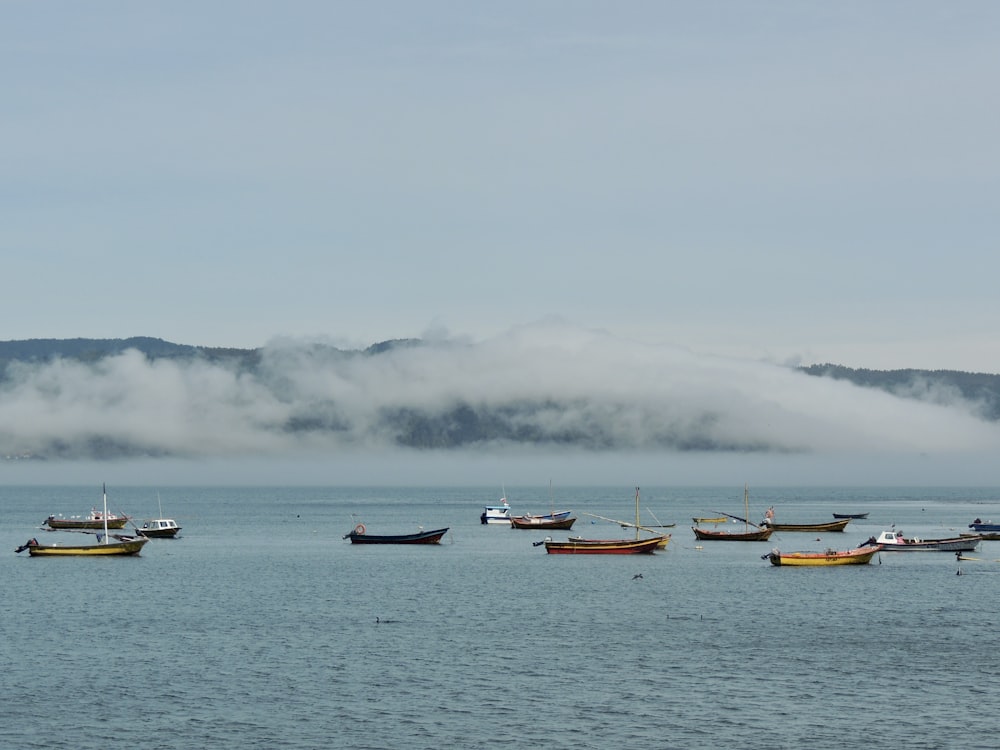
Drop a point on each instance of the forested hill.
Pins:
(68, 398)
(927, 385)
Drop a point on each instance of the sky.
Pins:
(795, 182)
(700, 193)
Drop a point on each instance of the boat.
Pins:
(855, 516)
(559, 520)
(814, 527)
(710, 519)
(161, 528)
(856, 556)
(122, 545)
(602, 547)
(496, 513)
(986, 530)
(664, 539)
(756, 534)
(359, 535)
(95, 520)
(895, 541)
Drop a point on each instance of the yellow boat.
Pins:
(122, 546)
(857, 556)
(702, 519)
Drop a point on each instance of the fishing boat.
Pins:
(122, 545)
(664, 539)
(499, 513)
(95, 520)
(987, 530)
(895, 541)
(855, 516)
(602, 547)
(559, 520)
(359, 535)
(161, 528)
(756, 534)
(857, 556)
(710, 519)
(813, 527)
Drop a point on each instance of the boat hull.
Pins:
(957, 544)
(664, 540)
(715, 520)
(423, 537)
(87, 523)
(850, 515)
(757, 535)
(986, 530)
(858, 556)
(131, 547)
(536, 522)
(838, 525)
(603, 547)
(159, 528)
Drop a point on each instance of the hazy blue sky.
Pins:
(795, 181)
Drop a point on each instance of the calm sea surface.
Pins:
(257, 627)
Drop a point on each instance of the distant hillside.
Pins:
(297, 394)
(939, 386)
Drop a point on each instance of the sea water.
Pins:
(261, 627)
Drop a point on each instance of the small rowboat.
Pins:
(602, 547)
(850, 515)
(359, 535)
(556, 521)
(830, 526)
(857, 556)
(750, 535)
(664, 540)
(714, 519)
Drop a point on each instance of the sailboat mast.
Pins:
(746, 507)
(104, 489)
(637, 514)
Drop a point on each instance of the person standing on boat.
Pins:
(768, 516)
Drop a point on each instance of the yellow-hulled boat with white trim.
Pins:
(857, 556)
(120, 546)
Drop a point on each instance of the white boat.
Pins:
(159, 527)
(894, 541)
(496, 513)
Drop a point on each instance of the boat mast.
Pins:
(746, 507)
(105, 492)
(637, 514)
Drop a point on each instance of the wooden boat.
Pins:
(122, 545)
(850, 515)
(986, 530)
(602, 547)
(827, 526)
(96, 520)
(756, 534)
(359, 535)
(750, 535)
(710, 519)
(561, 520)
(894, 541)
(664, 538)
(857, 556)
(162, 528)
